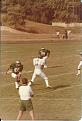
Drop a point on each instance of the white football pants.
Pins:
(41, 74)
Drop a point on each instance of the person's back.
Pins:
(25, 92)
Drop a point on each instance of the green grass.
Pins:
(61, 102)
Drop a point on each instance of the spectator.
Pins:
(65, 36)
(58, 34)
(25, 93)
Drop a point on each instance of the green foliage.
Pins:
(44, 11)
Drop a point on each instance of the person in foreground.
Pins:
(25, 93)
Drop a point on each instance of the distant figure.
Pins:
(80, 64)
(58, 34)
(65, 36)
(68, 32)
(25, 93)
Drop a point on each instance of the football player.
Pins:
(80, 65)
(44, 53)
(39, 65)
(15, 69)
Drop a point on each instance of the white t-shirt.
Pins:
(68, 32)
(25, 92)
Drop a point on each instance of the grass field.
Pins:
(63, 101)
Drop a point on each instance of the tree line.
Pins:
(16, 12)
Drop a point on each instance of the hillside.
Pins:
(40, 28)
(44, 33)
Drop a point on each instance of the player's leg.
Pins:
(20, 115)
(33, 78)
(29, 107)
(16, 82)
(16, 85)
(31, 114)
(45, 78)
(21, 110)
(18, 77)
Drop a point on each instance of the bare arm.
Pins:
(8, 70)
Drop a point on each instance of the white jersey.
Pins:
(37, 62)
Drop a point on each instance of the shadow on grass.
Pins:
(60, 87)
(55, 66)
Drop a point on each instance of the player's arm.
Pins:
(39, 53)
(9, 70)
(79, 67)
(21, 68)
(47, 53)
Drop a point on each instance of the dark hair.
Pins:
(24, 80)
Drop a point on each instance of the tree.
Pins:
(15, 17)
(44, 11)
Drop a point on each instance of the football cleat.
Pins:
(49, 86)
